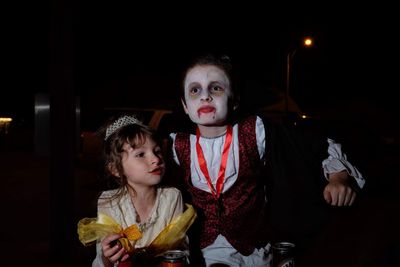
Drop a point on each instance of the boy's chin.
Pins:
(215, 122)
(211, 122)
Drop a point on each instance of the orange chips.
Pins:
(132, 232)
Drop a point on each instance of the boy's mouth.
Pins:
(205, 109)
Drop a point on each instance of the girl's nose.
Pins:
(156, 159)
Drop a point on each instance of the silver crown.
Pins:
(121, 122)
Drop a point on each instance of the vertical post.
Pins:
(287, 86)
(62, 136)
(307, 42)
(288, 72)
(42, 124)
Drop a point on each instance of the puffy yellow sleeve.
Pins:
(92, 229)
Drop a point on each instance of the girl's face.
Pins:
(143, 166)
(207, 92)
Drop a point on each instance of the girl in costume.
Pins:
(133, 157)
(237, 171)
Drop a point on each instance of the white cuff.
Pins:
(337, 161)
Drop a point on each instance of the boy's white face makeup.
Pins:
(207, 92)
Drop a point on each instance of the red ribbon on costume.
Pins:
(203, 164)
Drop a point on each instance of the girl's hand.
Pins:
(113, 251)
(338, 192)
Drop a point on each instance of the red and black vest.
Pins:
(241, 212)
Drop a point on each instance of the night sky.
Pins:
(126, 55)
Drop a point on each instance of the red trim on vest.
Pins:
(243, 215)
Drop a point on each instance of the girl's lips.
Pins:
(207, 109)
(157, 171)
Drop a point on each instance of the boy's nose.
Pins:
(206, 96)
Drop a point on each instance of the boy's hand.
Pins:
(339, 192)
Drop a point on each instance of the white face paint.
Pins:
(207, 91)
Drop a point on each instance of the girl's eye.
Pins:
(158, 151)
(140, 155)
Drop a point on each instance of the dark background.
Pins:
(127, 54)
(130, 55)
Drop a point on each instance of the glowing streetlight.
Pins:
(307, 42)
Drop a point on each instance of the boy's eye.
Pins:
(217, 88)
(194, 90)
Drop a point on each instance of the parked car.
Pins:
(163, 120)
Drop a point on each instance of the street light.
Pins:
(307, 42)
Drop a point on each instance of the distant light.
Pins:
(308, 41)
(4, 124)
(5, 119)
(304, 116)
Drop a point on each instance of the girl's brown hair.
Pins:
(133, 134)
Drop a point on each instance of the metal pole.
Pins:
(62, 135)
(287, 93)
(287, 87)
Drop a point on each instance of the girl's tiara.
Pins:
(121, 122)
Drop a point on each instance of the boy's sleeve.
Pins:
(337, 161)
